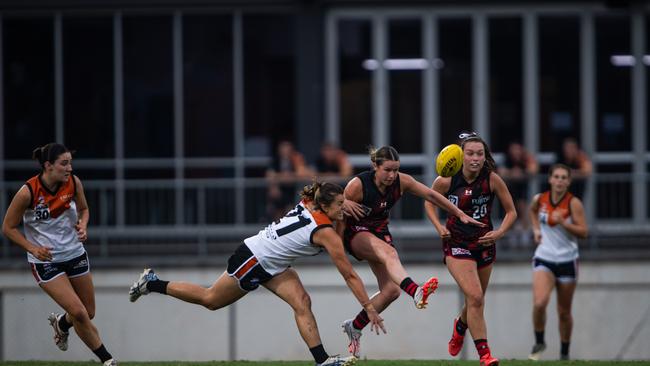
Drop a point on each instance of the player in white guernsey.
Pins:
(53, 208)
(558, 220)
(265, 259)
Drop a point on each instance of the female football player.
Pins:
(558, 219)
(265, 259)
(470, 251)
(53, 208)
(369, 239)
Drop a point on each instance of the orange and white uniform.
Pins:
(557, 245)
(287, 239)
(50, 220)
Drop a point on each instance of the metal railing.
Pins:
(216, 214)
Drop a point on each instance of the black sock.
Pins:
(564, 348)
(409, 286)
(159, 286)
(461, 327)
(539, 337)
(319, 353)
(482, 347)
(63, 324)
(102, 353)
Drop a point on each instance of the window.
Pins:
(455, 78)
(405, 81)
(613, 84)
(208, 86)
(505, 62)
(88, 86)
(148, 87)
(269, 81)
(28, 51)
(559, 83)
(355, 85)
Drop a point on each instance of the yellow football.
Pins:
(449, 160)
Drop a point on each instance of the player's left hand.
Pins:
(82, 232)
(353, 209)
(489, 238)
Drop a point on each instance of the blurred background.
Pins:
(196, 122)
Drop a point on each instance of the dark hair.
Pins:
(559, 166)
(489, 165)
(378, 156)
(321, 194)
(49, 152)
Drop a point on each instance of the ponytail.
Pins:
(49, 153)
(321, 194)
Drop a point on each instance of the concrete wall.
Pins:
(611, 311)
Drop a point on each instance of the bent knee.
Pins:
(389, 254)
(79, 314)
(564, 315)
(540, 304)
(475, 300)
(303, 303)
(210, 302)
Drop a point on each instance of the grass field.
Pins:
(359, 363)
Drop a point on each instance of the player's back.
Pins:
(283, 241)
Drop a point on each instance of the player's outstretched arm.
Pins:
(329, 239)
(409, 184)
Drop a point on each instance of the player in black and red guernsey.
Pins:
(378, 190)
(470, 251)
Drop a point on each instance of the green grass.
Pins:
(359, 363)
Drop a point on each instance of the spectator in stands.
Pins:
(266, 259)
(519, 167)
(558, 220)
(53, 208)
(289, 168)
(333, 162)
(580, 164)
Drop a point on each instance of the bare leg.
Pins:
(543, 284)
(467, 276)
(388, 290)
(288, 287)
(223, 292)
(369, 247)
(565, 293)
(61, 290)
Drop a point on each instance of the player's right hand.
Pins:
(41, 253)
(444, 233)
(465, 219)
(376, 321)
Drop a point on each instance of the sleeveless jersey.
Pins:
(475, 199)
(377, 205)
(557, 245)
(287, 239)
(50, 220)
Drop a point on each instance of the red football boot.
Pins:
(456, 341)
(488, 360)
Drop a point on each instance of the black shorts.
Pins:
(246, 269)
(352, 230)
(483, 256)
(45, 272)
(564, 272)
